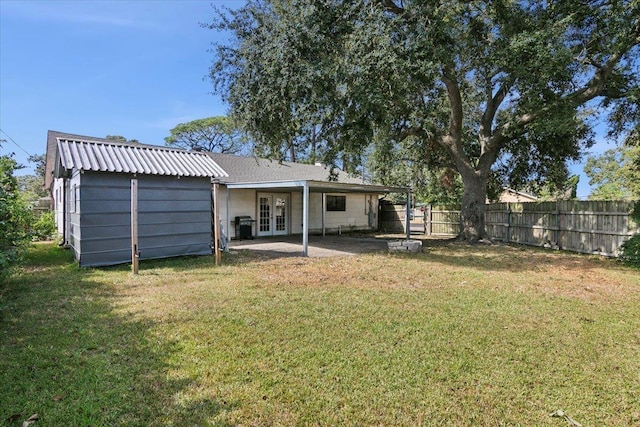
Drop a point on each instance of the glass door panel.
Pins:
(281, 208)
(273, 214)
(264, 215)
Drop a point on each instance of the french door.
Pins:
(273, 214)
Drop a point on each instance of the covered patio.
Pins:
(318, 246)
(306, 187)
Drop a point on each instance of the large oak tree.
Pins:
(482, 87)
(216, 134)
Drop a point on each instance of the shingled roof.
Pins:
(253, 169)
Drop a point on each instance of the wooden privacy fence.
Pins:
(391, 218)
(595, 227)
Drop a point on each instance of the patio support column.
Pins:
(305, 219)
(324, 210)
(228, 236)
(408, 216)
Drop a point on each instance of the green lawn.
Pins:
(457, 335)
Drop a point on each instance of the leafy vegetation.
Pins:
(44, 227)
(631, 251)
(485, 89)
(615, 174)
(215, 134)
(15, 217)
(121, 139)
(457, 335)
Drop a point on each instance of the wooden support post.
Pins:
(507, 237)
(556, 233)
(135, 254)
(428, 227)
(216, 226)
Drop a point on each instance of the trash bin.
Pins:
(244, 227)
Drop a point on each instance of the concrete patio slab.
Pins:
(328, 246)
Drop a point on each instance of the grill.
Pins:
(244, 227)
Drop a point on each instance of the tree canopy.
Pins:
(615, 174)
(121, 138)
(216, 134)
(503, 90)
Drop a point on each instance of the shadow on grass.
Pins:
(69, 356)
(505, 257)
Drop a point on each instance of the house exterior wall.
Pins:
(241, 203)
(59, 198)
(73, 215)
(355, 217)
(174, 217)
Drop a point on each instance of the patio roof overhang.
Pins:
(311, 186)
(320, 186)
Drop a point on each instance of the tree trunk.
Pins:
(473, 207)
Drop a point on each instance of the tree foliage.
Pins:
(402, 165)
(121, 139)
(31, 187)
(615, 174)
(214, 134)
(501, 88)
(15, 216)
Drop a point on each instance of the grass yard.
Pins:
(457, 335)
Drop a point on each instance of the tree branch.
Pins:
(493, 104)
(392, 7)
(452, 141)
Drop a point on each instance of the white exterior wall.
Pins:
(58, 204)
(355, 217)
(241, 202)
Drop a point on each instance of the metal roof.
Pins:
(113, 156)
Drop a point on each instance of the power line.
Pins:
(17, 145)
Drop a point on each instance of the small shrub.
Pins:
(631, 251)
(45, 227)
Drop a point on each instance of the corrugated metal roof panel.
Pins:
(101, 156)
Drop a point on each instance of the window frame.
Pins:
(336, 203)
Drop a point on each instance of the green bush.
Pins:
(45, 227)
(15, 217)
(631, 251)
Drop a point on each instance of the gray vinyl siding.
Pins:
(174, 218)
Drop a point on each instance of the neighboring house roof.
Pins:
(103, 155)
(253, 169)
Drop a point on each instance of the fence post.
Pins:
(556, 235)
(427, 222)
(508, 224)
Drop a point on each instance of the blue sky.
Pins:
(131, 68)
